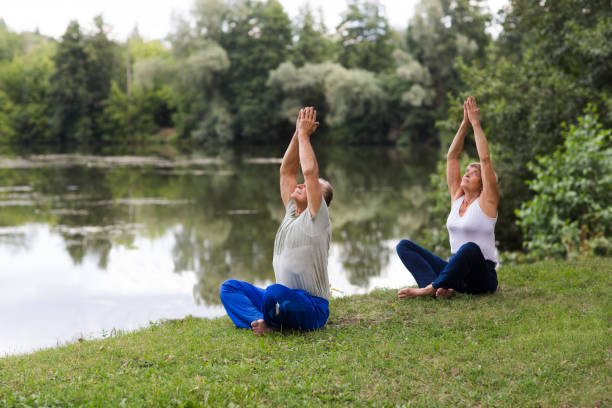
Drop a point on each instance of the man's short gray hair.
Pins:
(327, 190)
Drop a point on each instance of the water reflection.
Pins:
(203, 217)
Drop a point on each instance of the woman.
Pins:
(471, 225)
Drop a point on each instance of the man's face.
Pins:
(299, 194)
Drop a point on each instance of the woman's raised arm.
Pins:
(453, 157)
(490, 192)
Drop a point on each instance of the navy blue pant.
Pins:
(466, 271)
(278, 305)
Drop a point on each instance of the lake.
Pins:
(97, 241)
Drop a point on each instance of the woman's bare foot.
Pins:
(415, 292)
(260, 327)
(445, 293)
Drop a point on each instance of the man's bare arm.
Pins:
(289, 169)
(310, 168)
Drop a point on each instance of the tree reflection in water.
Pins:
(222, 209)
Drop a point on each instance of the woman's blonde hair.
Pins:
(477, 165)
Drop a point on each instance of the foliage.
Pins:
(11, 43)
(70, 99)
(211, 85)
(349, 101)
(364, 37)
(25, 83)
(85, 66)
(313, 45)
(571, 211)
(441, 33)
(443, 30)
(547, 327)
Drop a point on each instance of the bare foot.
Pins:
(445, 293)
(415, 292)
(260, 327)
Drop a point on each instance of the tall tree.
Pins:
(441, 31)
(313, 45)
(70, 95)
(105, 65)
(257, 41)
(364, 37)
(11, 43)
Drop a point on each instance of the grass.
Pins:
(544, 339)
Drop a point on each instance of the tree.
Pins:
(351, 101)
(257, 41)
(441, 31)
(312, 45)
(203, 112)
(70, 95)
(25, 81)
(105, 66)
(525, 96)
(11, 43)
(364, 37)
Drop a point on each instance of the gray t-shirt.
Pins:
(301, 249)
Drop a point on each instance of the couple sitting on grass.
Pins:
(300, 298)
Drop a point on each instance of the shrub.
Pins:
(571, 211)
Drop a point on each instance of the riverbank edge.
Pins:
(542, 339)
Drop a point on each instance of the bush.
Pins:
(571, 210)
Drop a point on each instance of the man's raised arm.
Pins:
(289, 169)
(307, 124)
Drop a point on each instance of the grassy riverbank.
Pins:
(544, 339)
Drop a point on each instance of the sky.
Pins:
(154, 17)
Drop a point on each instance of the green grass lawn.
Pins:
(544, 339)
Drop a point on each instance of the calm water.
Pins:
(90, 243)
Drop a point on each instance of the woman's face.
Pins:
(471, 180)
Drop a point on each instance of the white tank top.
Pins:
(475, 226)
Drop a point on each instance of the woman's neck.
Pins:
(470, 196)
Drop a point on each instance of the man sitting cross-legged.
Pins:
(300, 298)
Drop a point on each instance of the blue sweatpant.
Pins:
(466, 271)
(278, 305)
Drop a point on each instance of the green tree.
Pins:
(25, 81)
(313, 45)
(441, 33)
(85, 68)
(364, 37)
(351, 101)
(7, 132)
(105, 66)
(11, 43)
(70, 96)
(258, 40)
(203, 114)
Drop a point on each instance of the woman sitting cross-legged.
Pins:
(471, 225)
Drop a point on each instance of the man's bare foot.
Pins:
(260, 327)
(415, 292)
(445, 293)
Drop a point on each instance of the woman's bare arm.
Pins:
(453, 158)
(490, 192)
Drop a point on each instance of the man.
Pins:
(300, 298)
